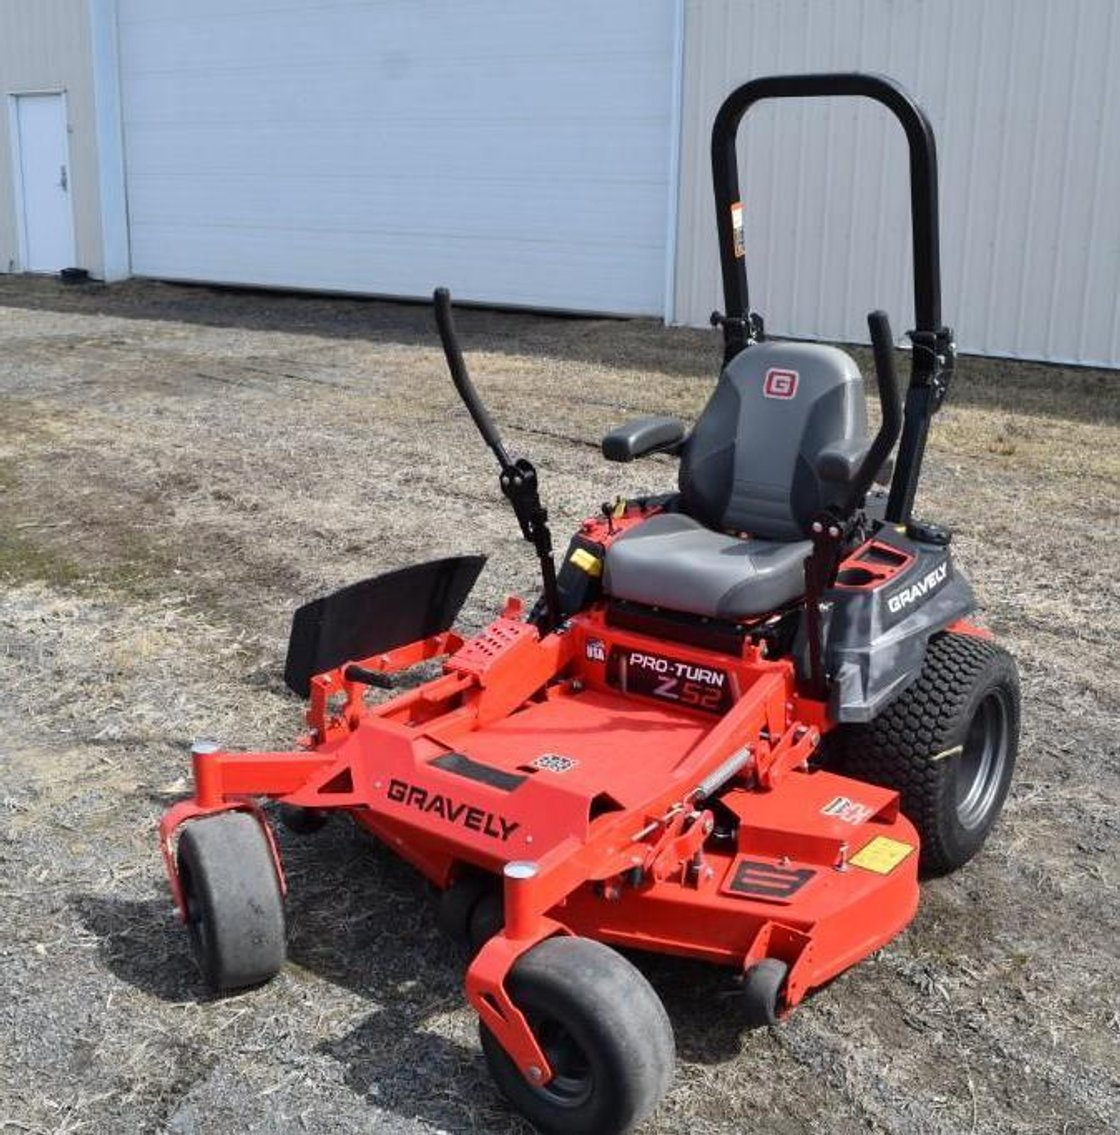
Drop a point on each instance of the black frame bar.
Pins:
(932, 359)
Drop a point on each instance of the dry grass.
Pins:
(179, 468)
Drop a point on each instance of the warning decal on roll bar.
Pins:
(737, 229)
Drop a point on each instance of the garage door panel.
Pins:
(574, 152)
(495, 211)
(400, 33)
(338, 262)
(519, 151)
(364, 91)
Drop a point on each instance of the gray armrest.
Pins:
(840, 461)
(645, 435)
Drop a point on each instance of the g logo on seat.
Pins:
(780, 383)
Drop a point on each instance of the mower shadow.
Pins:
(371, 949)
(701, 1002)
(386, 948)
(141, 942)
(446, 1085)
(360, 918)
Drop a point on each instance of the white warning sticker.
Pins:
(737, 229)
(848, 810)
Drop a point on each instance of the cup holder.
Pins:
(856, 577)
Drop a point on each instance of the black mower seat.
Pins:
(673, 561)
(781, 438)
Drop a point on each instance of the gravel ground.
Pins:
(180, 467)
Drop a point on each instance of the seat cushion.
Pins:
(673, 561)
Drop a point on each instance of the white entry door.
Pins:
(42, 170)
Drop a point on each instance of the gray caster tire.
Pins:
(604, 1030)
(235, 911)
(760, 997)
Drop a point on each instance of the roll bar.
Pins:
(934, 350)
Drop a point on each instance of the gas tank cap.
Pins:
(926, 533)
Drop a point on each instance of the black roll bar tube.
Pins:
(934, 350)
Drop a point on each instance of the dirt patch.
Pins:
(180, 467)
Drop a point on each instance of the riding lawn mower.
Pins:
(736, 725)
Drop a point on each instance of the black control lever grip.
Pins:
(458, 367)
(890, 402)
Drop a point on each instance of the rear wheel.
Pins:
(605, 1033)
(235, 911)
(947, 744)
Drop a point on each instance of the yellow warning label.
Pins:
(881, 855)
(587, 562)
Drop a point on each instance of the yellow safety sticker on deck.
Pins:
(881, 855)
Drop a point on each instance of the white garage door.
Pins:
(518, 152)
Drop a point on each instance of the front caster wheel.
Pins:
(760, 997)
(604, 1031)
(235, 911)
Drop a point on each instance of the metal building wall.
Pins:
(45, 45)
(1024, 96)
(70, 46)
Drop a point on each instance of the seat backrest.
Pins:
(750, 464)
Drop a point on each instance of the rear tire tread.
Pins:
(903, 748)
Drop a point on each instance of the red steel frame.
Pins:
(619, 846)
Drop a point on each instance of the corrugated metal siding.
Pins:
(45, 46)
(518, 152)
(1024, 96)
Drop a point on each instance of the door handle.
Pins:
(63, 180)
